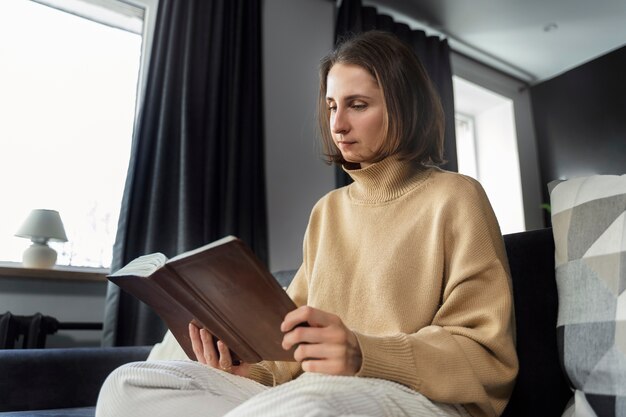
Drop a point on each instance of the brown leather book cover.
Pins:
(222, 287)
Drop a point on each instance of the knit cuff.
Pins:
(261, 374)
(388, 357)
(272, 373)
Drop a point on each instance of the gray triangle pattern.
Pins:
(591, 281)
(602, 378)
(607, 269)
(583, 297)
(585, 345)
(582, 408)
(622, 272)
(560, 227)
(589, 220)
(620, 336)
(603, 405)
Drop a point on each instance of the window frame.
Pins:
(149, 8)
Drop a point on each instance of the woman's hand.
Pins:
(203, 347)
(327, 346)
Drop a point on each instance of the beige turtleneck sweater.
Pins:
(412, 260)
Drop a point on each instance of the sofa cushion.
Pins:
(45, 379)
(540, 389)
(61, 412)
(589, 224)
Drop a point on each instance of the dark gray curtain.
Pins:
(196, 171)
(434, 53)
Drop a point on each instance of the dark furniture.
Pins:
(541, 388)
(69, 379)
(40, 379)
(30, 332)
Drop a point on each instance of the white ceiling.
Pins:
(513, 35)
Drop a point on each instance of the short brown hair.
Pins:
(414, 120)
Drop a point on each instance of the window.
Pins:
(487, 149)
(68, 81)
(466, 145)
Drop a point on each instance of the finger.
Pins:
(196, 343)
(225, 362)
(334, 333)
(328, 359)
(305, 335)
(325, 366)
(208, 349)
(293, 318)
(306, 314)
(319, 352)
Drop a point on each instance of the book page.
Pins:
(142, 266)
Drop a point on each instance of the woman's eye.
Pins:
(359, 106)
(332, 108)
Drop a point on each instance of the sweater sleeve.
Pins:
(467, 355)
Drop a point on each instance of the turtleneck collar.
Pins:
(385, 180)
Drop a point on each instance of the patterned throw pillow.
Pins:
(589, 226)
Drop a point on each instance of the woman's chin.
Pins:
(351, 158)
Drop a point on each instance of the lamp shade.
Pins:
(43, 225)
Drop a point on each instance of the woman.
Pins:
(404, 283)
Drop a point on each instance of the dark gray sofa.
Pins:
(58, 382)
(65, 382)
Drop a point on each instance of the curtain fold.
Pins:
(434, 53)
(196, 171)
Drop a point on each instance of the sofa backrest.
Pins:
(541, 388)
(44, 379)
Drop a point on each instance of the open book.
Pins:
(222, 287)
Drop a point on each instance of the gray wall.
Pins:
(296, 34)
(580, 120)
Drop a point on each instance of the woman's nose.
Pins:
(338, 121)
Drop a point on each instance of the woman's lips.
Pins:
(345, 143)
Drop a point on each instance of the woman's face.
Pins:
(357, 113)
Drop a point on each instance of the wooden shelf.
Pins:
(58, 272)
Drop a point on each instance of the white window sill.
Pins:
(58, 272)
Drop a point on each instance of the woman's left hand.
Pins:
(327, 346)
(213, 354)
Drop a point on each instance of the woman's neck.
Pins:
(385, 180)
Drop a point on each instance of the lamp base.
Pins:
(39, 255)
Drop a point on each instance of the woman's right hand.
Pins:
(203, 347)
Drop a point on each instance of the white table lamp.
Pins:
(40, 227)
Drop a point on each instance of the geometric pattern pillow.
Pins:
(589, 227)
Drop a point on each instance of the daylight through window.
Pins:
(68, 86)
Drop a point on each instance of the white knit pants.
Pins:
(189, 389)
